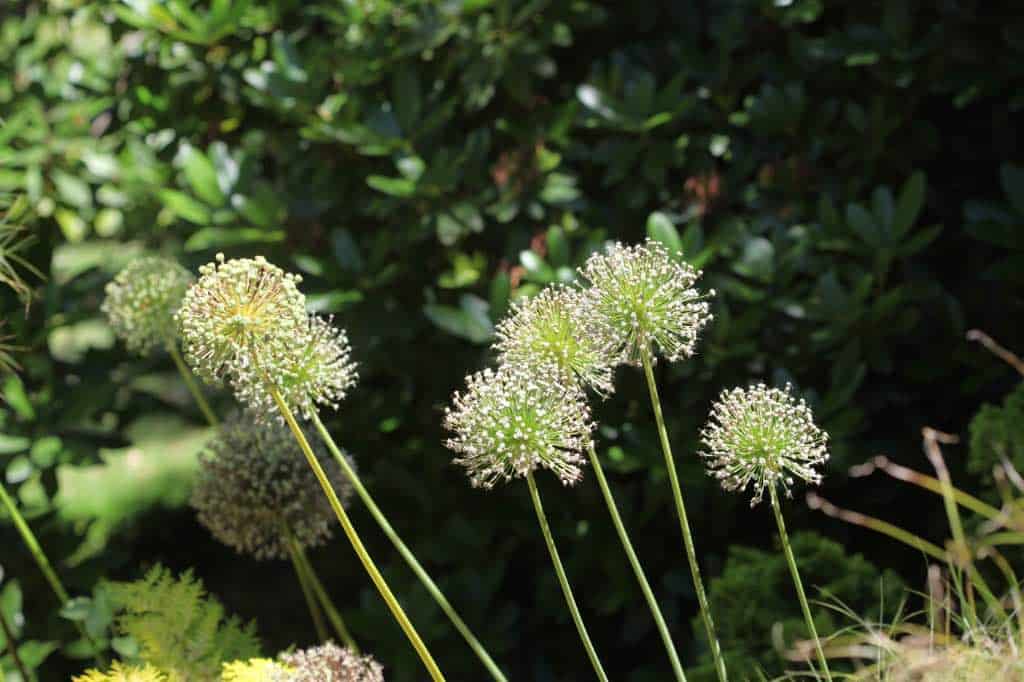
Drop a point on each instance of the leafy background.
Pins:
(847, 174)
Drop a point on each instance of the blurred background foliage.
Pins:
(848, 175)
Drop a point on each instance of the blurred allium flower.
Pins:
(238, 316)
(511, 421)
(329, 663)
(760, 436)
(640, 297)
(142, 300)
(550, 329)
(254, 483)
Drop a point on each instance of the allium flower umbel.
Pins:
(329, 663)
(319, 370)
(514, 420)
(639, 298)
(254, 487)
(141, 302)
(550, 329)
(760, 437)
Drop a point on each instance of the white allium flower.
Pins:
(640, 298)
(551, 330)
(238, 315)
(760, 436)
(141, 302)
(329, 663)
(511, 421)
(254, 486)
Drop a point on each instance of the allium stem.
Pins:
(677, 494)
(638, 570)
(563, 580)
(33, 546)
(791, 560)
(307, 593)
(353, 537)
(190, 382)
(406, 553)
(12, 646)
(325, 601)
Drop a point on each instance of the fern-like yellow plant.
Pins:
(120, 673)
(253, 670)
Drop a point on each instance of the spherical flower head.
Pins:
(255, 487)
(514, 420)
(640, 298)
(551, 330)
(142, 300)
(239, 314)
(329, 663)
(760, 437)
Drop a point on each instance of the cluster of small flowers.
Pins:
(549, 330)
(245, 322)
(254, 487)
(511, 421)
(141, 302)
(639, 298)
(760, 437)
(328, 663)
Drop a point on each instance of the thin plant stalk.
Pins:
(406, 553)
(638, 570)
(193, 387)
(357, 543)
(307, 593)
(684, 524)
(12, 646)
(333, 615)
(45, 567)
(791, 560)
(563, 580)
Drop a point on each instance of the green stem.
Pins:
(325, 601)
(563, 580)
(8, 633)
(407, 554)
(357, 543)
(791, 560)
(29, 538)
(638, 570)
(307, 592)
(193, 387)
(677, 494)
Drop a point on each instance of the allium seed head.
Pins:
(141, 302)
(240, 313)
(639, 297)
(760, 436)
(551, 330)
(511, 421)
(254, 487)
(329, 663)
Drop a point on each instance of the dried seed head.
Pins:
(329, 663)
(238, 316)
(639, 297)
(141, 302)
(511, 421)
(551, 330)
(760, 436)
(254, 486)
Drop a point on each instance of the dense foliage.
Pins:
(844, 173)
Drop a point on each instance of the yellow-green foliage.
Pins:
(179, 628)
(253, 670)
(120, 673)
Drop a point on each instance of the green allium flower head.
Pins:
(329, 663)
(760, 436)
(511, 421)
(639, 297)
(239, 315)
(551, 330)
(254, 485)
(142, 300)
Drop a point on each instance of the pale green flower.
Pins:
(142, 300)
